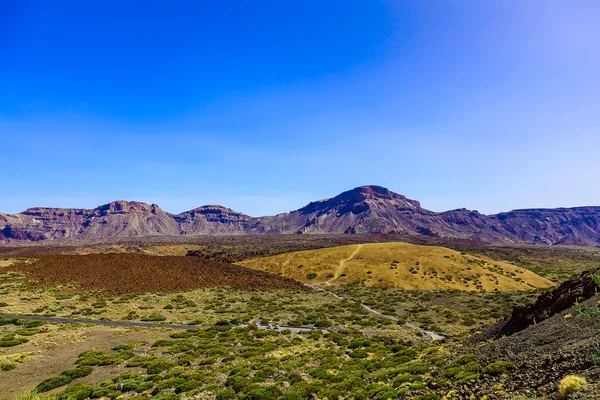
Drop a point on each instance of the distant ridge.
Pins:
(362, 210)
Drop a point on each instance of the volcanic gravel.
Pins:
(118, 274)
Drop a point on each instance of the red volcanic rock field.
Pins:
(118, 274)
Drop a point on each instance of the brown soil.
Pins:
(55, 353)
(118, 274)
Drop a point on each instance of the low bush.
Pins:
(33, 395)
(498, 368)
(5, 366)
(10, 341)
(570, 385)
(77, 391)
(78, 372)
(98, 357)
(52, 383)
(154, 317)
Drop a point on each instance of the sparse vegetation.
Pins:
(7, 366)
(52, 383)
(423, 267)
(362, 355)
(570, 385)
(499, 368)
(33, 395)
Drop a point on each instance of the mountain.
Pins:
(363, 210)
(212, 220)
(366, 209)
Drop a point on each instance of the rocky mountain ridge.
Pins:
(363, 210)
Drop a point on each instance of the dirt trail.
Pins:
(338, 270)
(101, 322)
(430, 334)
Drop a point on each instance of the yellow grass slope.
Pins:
(401, 266)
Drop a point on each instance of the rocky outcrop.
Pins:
(554, 337)
(363, 210)
(548, 304)
(210, 220)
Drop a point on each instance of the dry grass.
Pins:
(401, 266)
(570, 385)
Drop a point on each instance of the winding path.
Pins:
(431, 334)
(132, 324)
(338, 270)
(103, 322)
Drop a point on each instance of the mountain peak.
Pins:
(374, 191)
(214, 209)
(125, 207)
(358, 200)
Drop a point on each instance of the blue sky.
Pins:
(263, 106)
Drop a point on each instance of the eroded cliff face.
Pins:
(363, 210)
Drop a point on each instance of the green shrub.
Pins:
(30, 323)
(428, 396)
(131, 316)
(241, 384)
(5, 366)
(77, 391)
(10, 341)
(312, 275)
(380, 392)
(78, 372)
(52, 383)
(120, 347)
(462, 370)
(359, 354)
(291, 396)
(227, 394)
(596, 279)
(400, 379)
(262, 393)
(499, 368)
(330, 394)
(6, 321)
(140, 361)
(26, 331)
(98, 357)
(154, 317)
(414, 368)
(595, 356)
(158, 366)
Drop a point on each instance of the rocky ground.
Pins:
(566, 341)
